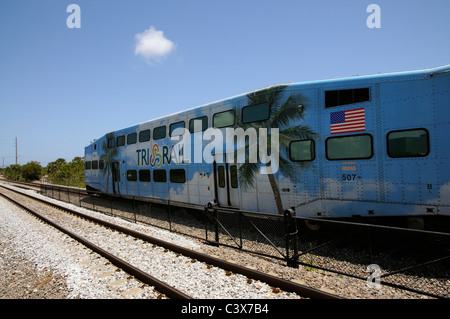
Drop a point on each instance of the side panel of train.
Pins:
(367, 146)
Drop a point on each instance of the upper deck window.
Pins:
(111, 142)
(159, 132)
(344, 97)
(131, 138)
(224, 119)
(144, 136)
(203, 125)
(120, 141)
(174, 126)
(255, 113)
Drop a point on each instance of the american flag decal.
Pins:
(348, 121)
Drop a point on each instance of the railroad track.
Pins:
(191, 256)
(142, 276)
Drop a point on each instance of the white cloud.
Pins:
(152, 45)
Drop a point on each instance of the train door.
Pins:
(116, 177)
(226, 183)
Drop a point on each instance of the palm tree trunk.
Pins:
(276, 193)
(107, 182)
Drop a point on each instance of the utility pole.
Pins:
(16, 150)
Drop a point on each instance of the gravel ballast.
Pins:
(39, 262)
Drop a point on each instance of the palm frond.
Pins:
(298, 132)
(290, 111)
(247, 173)
(268, 95)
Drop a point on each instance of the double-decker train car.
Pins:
(369, 146)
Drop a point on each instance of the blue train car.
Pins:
(373, 146)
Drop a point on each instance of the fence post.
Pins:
(210, 208)
(205, 215)
(241, 242)
(291, 238)
(169, 211)
(216, 224)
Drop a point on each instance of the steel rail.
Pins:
(273, 281)
(160, 286)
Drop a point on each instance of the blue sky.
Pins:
(62, 87)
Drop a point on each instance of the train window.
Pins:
(234, 176)
(204, 124)
(144, 175)
(221, 175)
(131, 175)
(177, 176)
(131, 138)
(349, 147)
(159, 132)
(94, 164)
(144, 136)
(344, 97)
(101, 164)
(87, 165)
(111, 142)
(302, 151)
(174, 126)
(120, 141)
(224, 119)
(159, 176)
(408, 143)
(255, 113)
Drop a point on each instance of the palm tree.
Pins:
(108, 157)
(283, 115)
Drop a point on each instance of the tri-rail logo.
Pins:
(157, 156)
(251, 147)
